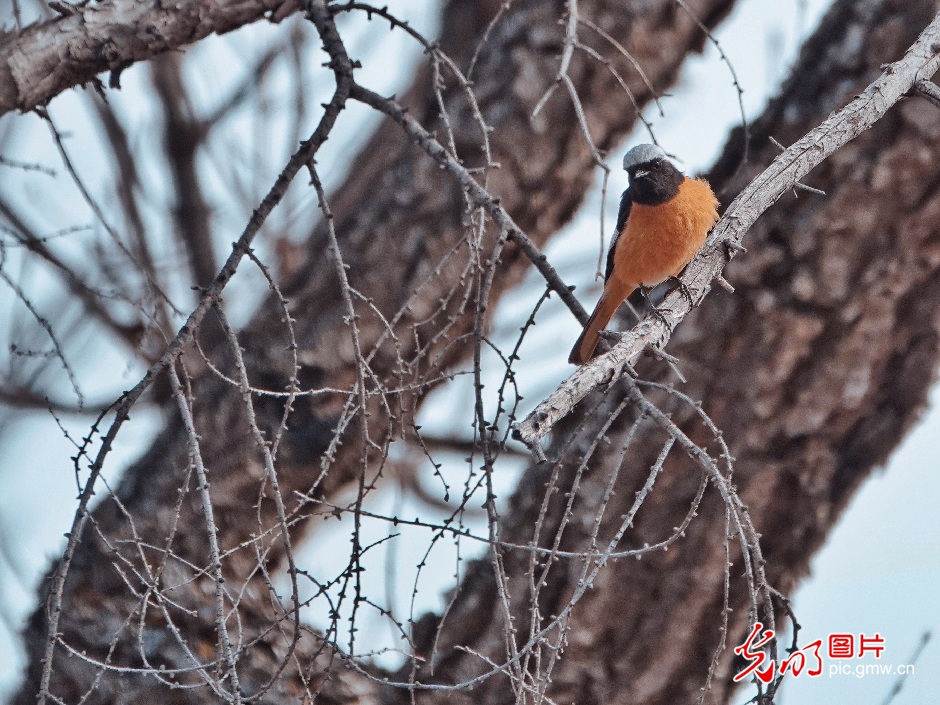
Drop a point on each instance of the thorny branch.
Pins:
(209, 298)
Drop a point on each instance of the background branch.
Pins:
(44, 59)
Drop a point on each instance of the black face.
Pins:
(654, 182)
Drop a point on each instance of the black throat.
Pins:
(655, 182)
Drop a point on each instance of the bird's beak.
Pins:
(640, 174)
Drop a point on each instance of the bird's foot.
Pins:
(645, 293)
(612, 336)
(684, 289)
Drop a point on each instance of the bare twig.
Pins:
(300, 158)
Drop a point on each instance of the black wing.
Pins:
(626, 200)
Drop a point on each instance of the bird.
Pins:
(662, 223)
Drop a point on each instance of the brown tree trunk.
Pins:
(46, 58)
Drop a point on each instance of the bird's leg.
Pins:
(645, 293)
(611, 336)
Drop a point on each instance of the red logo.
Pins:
(840, 646)
(756, 657)
(876, 644)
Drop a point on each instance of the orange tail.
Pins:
(584, 347)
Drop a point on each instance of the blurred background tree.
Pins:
(322, 304)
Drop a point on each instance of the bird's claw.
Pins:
(684, 289)
(611, 336)
(645, 293)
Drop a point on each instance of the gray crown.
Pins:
(642, 153)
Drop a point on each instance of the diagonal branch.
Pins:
(42, 60)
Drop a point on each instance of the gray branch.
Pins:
(42, 60)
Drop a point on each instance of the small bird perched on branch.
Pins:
(663, 220)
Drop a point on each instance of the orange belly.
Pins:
(660, 240)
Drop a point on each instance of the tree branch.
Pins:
(42, 60)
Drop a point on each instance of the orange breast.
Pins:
(660, 240)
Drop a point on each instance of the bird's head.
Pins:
(642, 158)
(653, 178)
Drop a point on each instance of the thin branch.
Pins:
(274, 196)
(57, 346)
(184, 404)
(479, 195)
(77, 286)
(929, 90)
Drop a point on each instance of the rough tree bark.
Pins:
(545, 173)
(46, 58)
